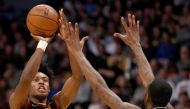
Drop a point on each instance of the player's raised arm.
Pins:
(132, 39)
(72, 85)
(20, 95)
(99, 86)
(93, 77)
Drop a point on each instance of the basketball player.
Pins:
(158, 92)
(34, 85)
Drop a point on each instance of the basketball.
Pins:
(42, 20)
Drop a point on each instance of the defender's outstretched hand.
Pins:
(132, 39)
(70, 35)
(131, 36)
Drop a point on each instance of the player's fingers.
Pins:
(118, 35)
(59, 35)
(133, 21)
(60, 11)
(71, 31)
(36, 36)
(138, 25)
(48, 39)
(60, 23)
(124, 24)
(129, 20)
(63, 30)
(32, 35)
(63, 16)
(77, 32)
(83, 40)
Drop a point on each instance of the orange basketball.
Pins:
(42, 20)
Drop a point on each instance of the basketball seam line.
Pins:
(39, 27)
(44, 17)
(47, 5)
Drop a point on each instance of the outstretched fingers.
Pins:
(77, 32)
(130, 20)
(83, 40)
(124, 24)
(71, 31)
(63, 25)
(134, 21)
(62, 16)
(138, 25)
(118, 35)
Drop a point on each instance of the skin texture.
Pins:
(34, 85)
(20, 95)
(132, 39)
(93, 77)
(99, 86)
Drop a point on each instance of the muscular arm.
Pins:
(99, 86)
(132, 39)
(19, 97)
(96, 81)
(71, 86)
(144, 68)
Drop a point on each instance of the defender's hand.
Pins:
(131, 36)
(70, 35)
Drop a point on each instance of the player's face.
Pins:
(40, 86)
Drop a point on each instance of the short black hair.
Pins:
(160, 92)
(44, 68)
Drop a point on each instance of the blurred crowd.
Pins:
(165, 38)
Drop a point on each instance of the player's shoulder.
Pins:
(130, 106)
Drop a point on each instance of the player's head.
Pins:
(40, 86)
(159, 93)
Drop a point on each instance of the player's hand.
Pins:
(70, 35)
(131, 36)
(38, 38)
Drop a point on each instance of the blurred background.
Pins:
(165, 38)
